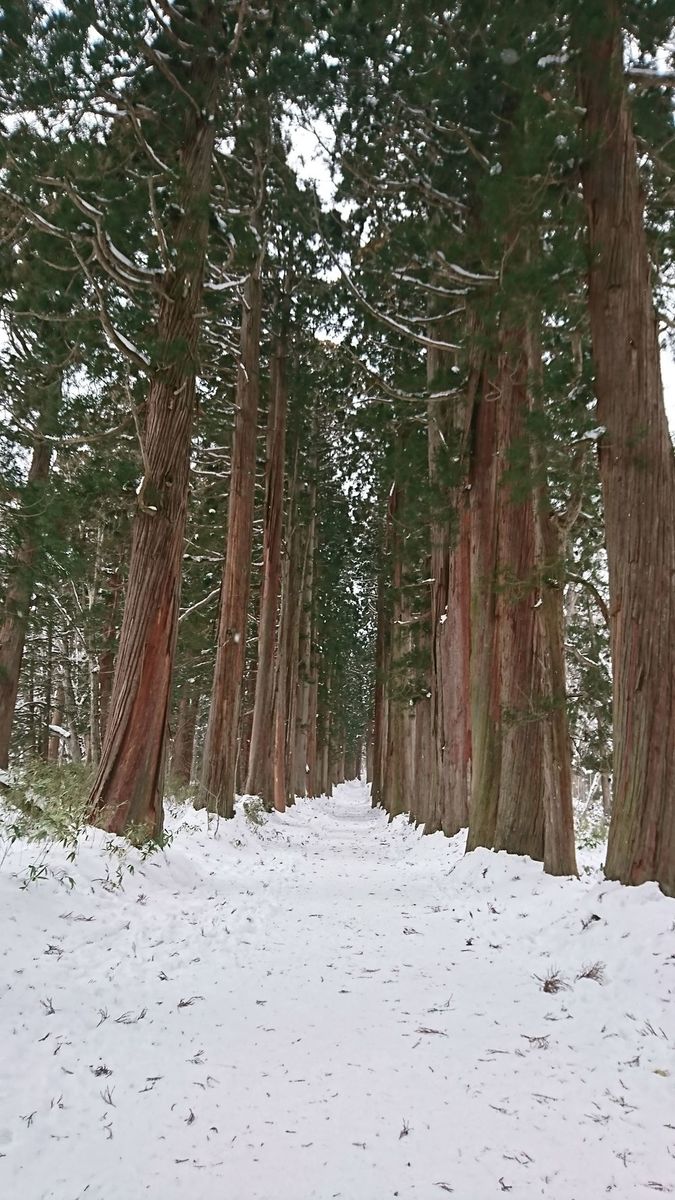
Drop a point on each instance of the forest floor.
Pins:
(330, 1007)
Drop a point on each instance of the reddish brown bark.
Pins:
(520, 818)
(559, 848)
(637, 469)
(311, 765)
(129, 783)
(280, 773)
(450, 680)
(550, 534)
(245, 721)
(19, 593)
(304, 676)
(380, 705)
(113, 594)
(285, 672)
(221, 745)
(324, 733)
(423, 755)
(450, 617)
(260, 779)
(485, 685)
(183, 742)
(296, 565)
(397, 789)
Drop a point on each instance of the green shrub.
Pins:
(46, 803)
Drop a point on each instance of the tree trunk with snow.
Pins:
(70, 703)
(56, 722)
(637, 468)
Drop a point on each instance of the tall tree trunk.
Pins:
(550, 552)
(246, 719)
(559, 848)
(70, 703)
(637, 469)
(32, 740)
(57, 722)
(19, 593)
(382, 666)
(304, 687)
(43, 735)
(447, 423)
(94, 732)
(369, 752)
(454, 643)
(520, 816)
(260, 779)
(296, 598)
(606, 792)
(324, 733)
(220, 749)
(485, 675)
(423, 763)
(183, 743)
(280, 784)
(311, 786)
(129, 783)
(113, 593)
(283, 673)
(397, 789)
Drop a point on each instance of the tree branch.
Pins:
(590, 587)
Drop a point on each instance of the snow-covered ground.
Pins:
(331, 1007)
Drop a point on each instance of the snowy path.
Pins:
(332, 1007)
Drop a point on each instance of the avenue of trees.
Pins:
(293, 488)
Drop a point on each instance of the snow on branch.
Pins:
(454, 271)
(33, 218)
(599, 599)
(199, 604)
(385, 319)
(110, 257)
(394, 393)
(644, 77)
(157, 60)
(116, 339)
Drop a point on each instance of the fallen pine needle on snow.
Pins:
(135, 1061)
